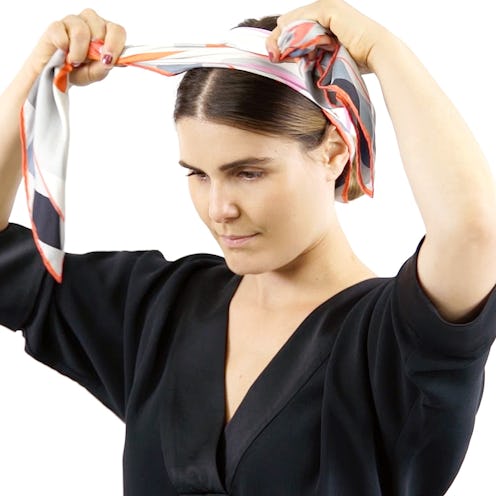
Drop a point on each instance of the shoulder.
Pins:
(111, 275)
(399, 309)
(147, 276)
(200, 268)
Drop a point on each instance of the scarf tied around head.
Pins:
(312, 62)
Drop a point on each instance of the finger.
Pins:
(79, 36)
(56, 34)
(96, 24)
(271, 43)
(54, 37)
(89, 73)
(282, 22)
(115, 39)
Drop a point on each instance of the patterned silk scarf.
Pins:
(313, 63)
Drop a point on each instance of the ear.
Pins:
(334, 153)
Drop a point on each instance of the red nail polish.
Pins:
(107, 59)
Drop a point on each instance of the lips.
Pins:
(235, 241)
(236, 236)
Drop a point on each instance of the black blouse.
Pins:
(373, 394)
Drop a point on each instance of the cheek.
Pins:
(269, 204)
(199, 198)
(299, 201)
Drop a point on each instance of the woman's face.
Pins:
(265, 200)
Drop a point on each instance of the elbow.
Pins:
(475, 213)
(480, 225)
(470, 224)
(479, 229)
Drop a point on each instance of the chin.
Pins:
(244, 267)
(251, 263)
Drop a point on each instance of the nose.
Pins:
(222, 206)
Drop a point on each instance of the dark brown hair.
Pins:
(254, 103)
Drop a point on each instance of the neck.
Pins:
(325, 268)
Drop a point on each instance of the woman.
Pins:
(336, 381)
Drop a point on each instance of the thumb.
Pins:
(271, 43)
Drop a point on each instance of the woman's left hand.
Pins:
(355, 31)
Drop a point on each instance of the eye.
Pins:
(201, 175)
(250, 175)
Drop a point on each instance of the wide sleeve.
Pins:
(89, 327)
(427, 377)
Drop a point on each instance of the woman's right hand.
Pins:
(73, 34)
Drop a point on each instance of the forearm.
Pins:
(11, 102)
(450, 178)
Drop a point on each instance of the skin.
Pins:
(73, 35)
(453, 186)
(299, 255)
(287, 203)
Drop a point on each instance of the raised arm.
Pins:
(73, 35)
(10, 145)
(450, 178)
(451, 181)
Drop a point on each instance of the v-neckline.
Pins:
(236, 282)
(201, 451)
(260, 405)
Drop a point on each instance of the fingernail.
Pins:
(107, 59)
(273, 57)
(76, 64)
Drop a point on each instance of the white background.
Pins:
(127, 192)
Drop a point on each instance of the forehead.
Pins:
(202, 139)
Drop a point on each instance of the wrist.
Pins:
(24, 80)
(386, 43)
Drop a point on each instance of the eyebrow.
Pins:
(236, 163)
